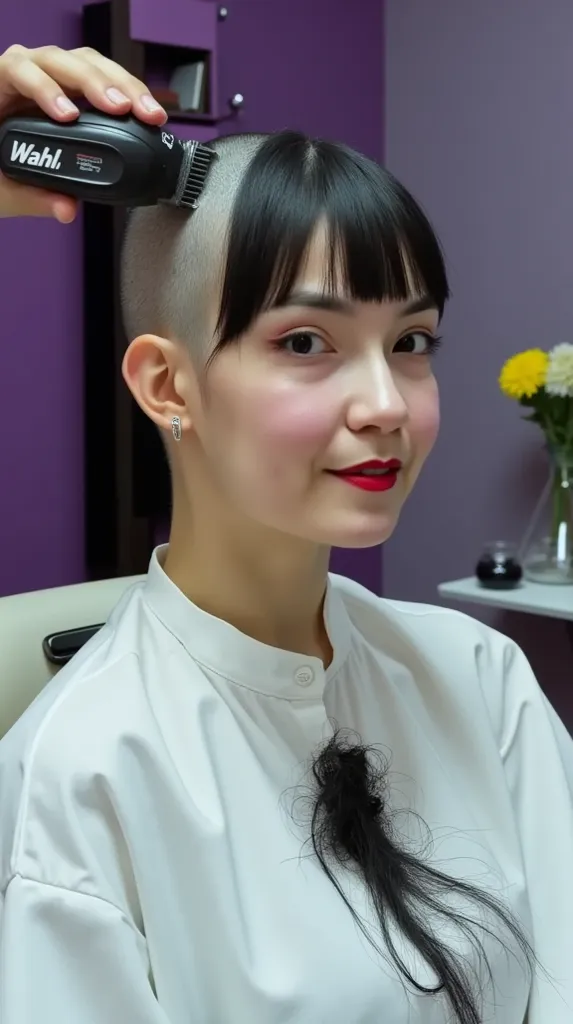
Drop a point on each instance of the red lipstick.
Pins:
(374, 475)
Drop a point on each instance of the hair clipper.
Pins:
(103, 159)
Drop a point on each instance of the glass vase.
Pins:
(546, 552)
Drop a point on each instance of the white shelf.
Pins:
(555, 601)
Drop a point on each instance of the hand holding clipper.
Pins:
(102, 159)
(44, 81)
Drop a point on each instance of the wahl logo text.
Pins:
(27, 153)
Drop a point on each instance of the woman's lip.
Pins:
(371, 464)
(370, 481)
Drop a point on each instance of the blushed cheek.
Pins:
(424, 425)
(293, 423)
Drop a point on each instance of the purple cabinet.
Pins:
(189, 23)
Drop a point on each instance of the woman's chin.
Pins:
(363, 532)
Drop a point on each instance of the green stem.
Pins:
(561, 496)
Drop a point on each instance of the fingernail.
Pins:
(116, 96)
(64, 211)
(150, 104)
(65, 106)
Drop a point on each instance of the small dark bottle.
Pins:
(498, 567)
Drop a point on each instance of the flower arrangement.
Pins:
(543, 382)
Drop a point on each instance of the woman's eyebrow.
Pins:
(419, 305)
(317, 300)
(335, 304)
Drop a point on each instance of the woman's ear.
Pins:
(156, 372)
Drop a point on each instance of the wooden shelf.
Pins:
(551, 600)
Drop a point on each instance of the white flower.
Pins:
(559, 377)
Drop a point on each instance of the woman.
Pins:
(261, 794)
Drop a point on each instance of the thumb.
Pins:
(18, 200)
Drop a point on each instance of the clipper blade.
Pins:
(195, 166)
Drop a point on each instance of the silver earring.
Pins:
(176, 428)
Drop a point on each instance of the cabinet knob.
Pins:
(223, 13)
(237, 101)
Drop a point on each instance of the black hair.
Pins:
(381, 247)
(381, 244)
(353, 828)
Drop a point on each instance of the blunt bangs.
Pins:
(381, 246)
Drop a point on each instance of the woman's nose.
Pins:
(377, 401)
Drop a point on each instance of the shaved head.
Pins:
(205, 276)
(173, 259)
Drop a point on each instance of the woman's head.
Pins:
(289, 323)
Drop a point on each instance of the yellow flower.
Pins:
(524, 374)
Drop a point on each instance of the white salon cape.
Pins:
(155, 803)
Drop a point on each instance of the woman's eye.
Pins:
(418, 343)
(303, 343)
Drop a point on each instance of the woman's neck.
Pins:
(270, 587)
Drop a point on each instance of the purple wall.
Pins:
(41, 510)
(41, 455)
(479, 126)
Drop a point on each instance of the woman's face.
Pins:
(311, 389)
